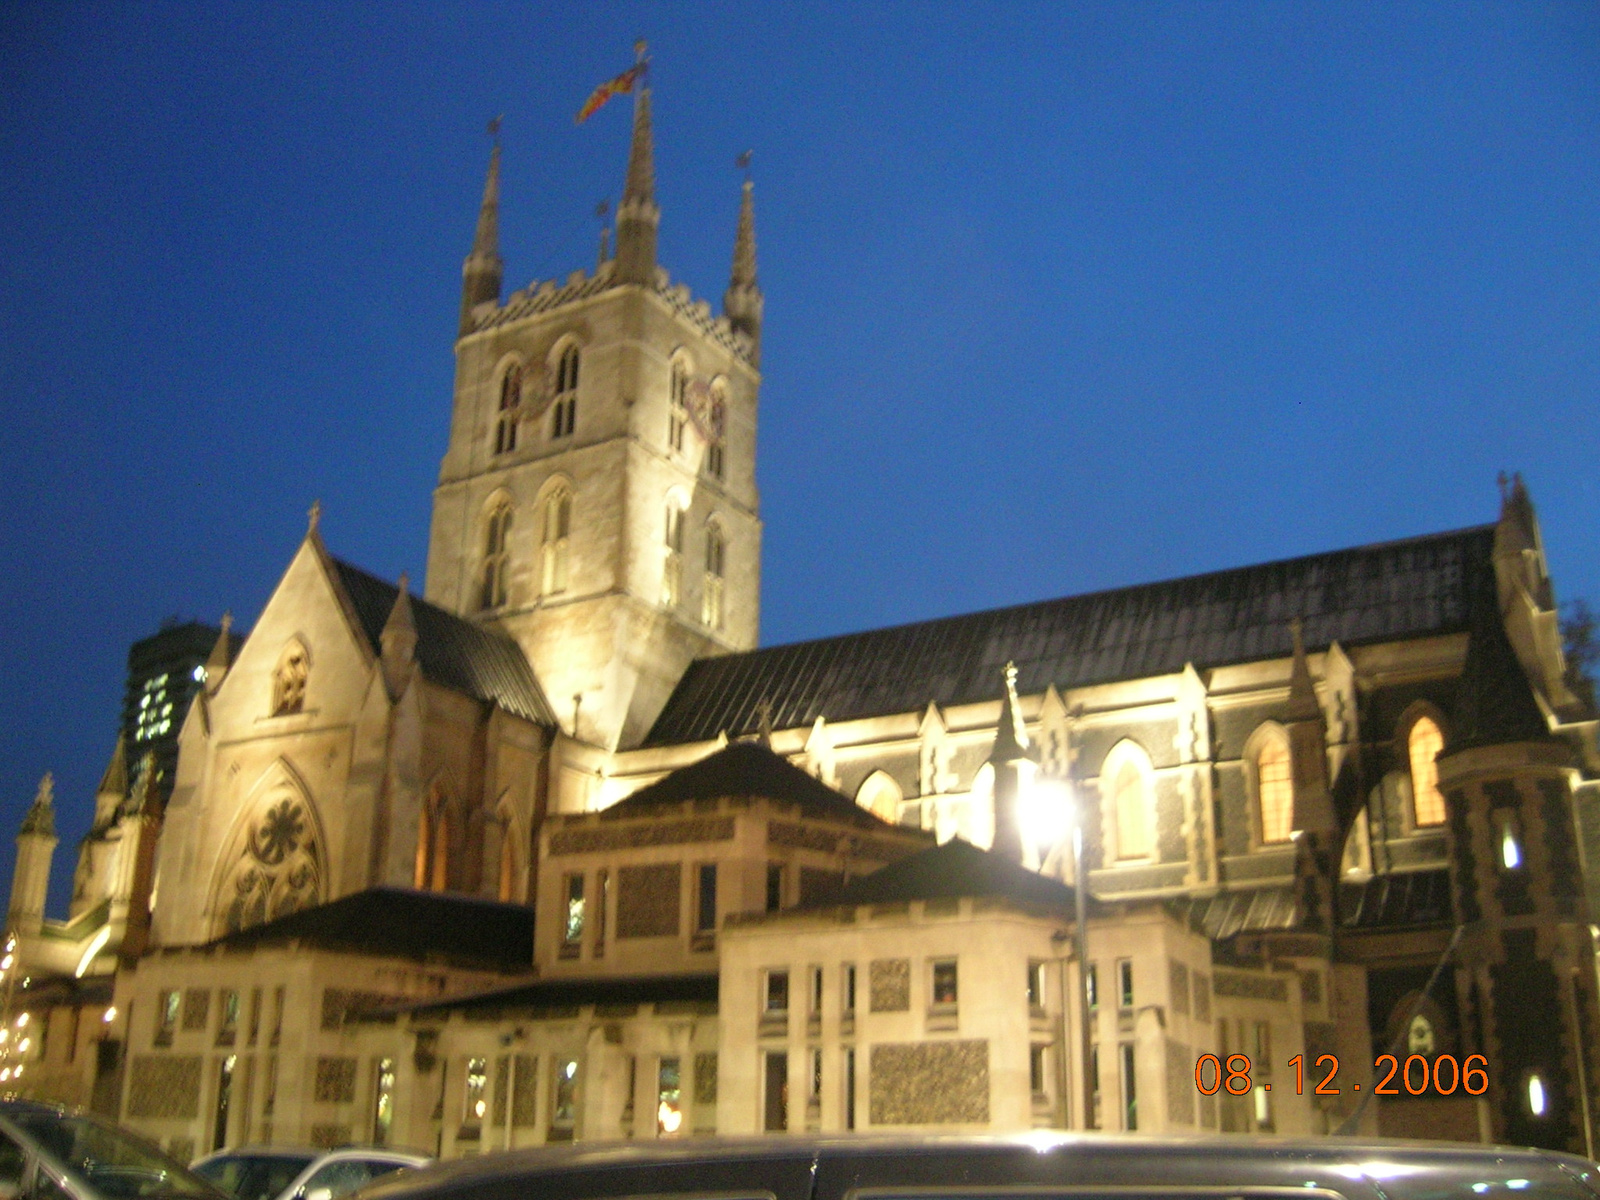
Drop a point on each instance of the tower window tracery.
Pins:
(712, 587)
(1423, 746)
(678, 415)
(505, 429)
(672, 566)
(564, 404)
(289, 680)
(717, 420)
(496, 556)
(555, 528)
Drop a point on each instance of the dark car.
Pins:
(1045, 1166)
(53, 1153)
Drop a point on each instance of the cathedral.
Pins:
(553, 850)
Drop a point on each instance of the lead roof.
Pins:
(1403, 589)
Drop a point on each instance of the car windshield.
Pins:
(253, 1176)
(111, 1162)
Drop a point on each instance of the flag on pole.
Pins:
(611, 87)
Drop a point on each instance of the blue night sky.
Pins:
(1059, 297)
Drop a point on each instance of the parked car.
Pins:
(1043, 1166)
(282, 1173)
(53, 1153)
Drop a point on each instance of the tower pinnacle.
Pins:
(638, 218)
(742, 303)
(481, 273)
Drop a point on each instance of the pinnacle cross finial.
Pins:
(481, 273)
(638, 217)
(640, 186)
(314, 516)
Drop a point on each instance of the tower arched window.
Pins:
(717, 422)
(564, 404)
(678, 408)
(496, 556)
(289, 680)
(1424, 744)
(505, 428)
(672, 565)
(554, 529)
(712, 586)
(1274, 791)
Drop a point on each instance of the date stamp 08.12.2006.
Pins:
(1439, 1076)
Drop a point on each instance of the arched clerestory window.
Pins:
(505, 427)
(289, 679)
(711, 587)
(1125, 783)
(496, 555)
(555, 527)
(564, 403)
(1274, 790)
(1423, 745)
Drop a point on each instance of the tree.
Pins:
(1580, 642)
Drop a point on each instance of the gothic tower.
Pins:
(598, 498)
(1517, 878)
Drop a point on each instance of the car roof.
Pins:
(1045, 1158)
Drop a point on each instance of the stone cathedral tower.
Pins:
(598, 498)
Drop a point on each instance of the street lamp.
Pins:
(1050, 810)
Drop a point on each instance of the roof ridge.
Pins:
(418, 603)
(1101, 593)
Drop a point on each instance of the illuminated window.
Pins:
(555, 527)
(505, 429)
(717, 421)
(711, 593)
(572, 926)
(564, 1108)
(1419, 1036)
(155, 709)
(1132, 807)
(496, 556)
(564, 404)
(944, 983)
(289, 680)
(1427, 804)
(672, 568)
(1274, 791)
(669, 1097)
(433, 845)
(476, 1107)
(678, 419)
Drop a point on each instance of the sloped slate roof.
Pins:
(1251, 910)
(743, 769)
(1494, 700)
(453, 652)
(1403, 900)
(953, 870)
(406, 923)
(1371, 593)
(696, 989)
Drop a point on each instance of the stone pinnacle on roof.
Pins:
(637, 215)
(744, 241)
(1303, 704)
(398, 641)
(115, 780)
(41, 818)
(640, 185)
(1011, 736)
(742, 302)
(221, 656)
(481, 273)
(1495, 703)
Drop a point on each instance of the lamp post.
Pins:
(1052, 809)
